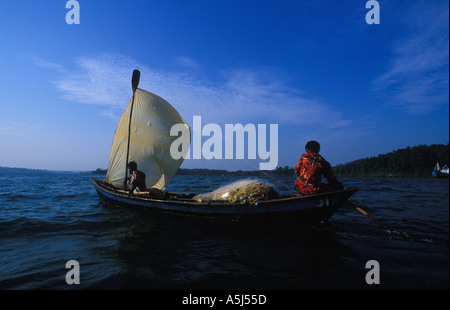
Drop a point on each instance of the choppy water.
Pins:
(47, 219)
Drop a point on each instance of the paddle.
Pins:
(369, 216)
(134, 84)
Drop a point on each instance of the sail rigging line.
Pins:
(284, 185)
(134, 85)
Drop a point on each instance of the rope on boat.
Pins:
(284, 185)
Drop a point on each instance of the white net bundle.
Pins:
(243, 192)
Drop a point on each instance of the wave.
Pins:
(59, 225)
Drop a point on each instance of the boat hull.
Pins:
(310, 209)
(439, 175)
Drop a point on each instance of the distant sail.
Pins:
(150, 141)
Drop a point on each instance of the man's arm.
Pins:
(298, 167)
(328, 172)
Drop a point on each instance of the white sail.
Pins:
(150, 141)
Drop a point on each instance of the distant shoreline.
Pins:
(289, 172)
(415, 162)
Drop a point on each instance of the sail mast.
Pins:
(134, 84)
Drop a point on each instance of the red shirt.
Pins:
(310, 168)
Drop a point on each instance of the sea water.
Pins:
(48, 219)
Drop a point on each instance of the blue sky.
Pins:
(315, 68)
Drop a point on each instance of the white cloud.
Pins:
(243, 97)
(16, 129)
(45, 64)
(188, 63)
(417, 79)
(98, 80)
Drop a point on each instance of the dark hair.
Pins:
(132, 165)
(313, 146)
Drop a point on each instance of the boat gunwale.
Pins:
(186, 201)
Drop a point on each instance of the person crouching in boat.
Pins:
(310, 169)
(137, 179)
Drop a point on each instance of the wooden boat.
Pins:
(144, 135)
(306, 209)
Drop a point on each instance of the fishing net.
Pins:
(243, 192)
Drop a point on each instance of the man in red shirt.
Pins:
(310, 169)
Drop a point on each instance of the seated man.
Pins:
(310, 169)
(137, 179)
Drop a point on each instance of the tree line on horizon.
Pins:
(417, 161)
(256, 173)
